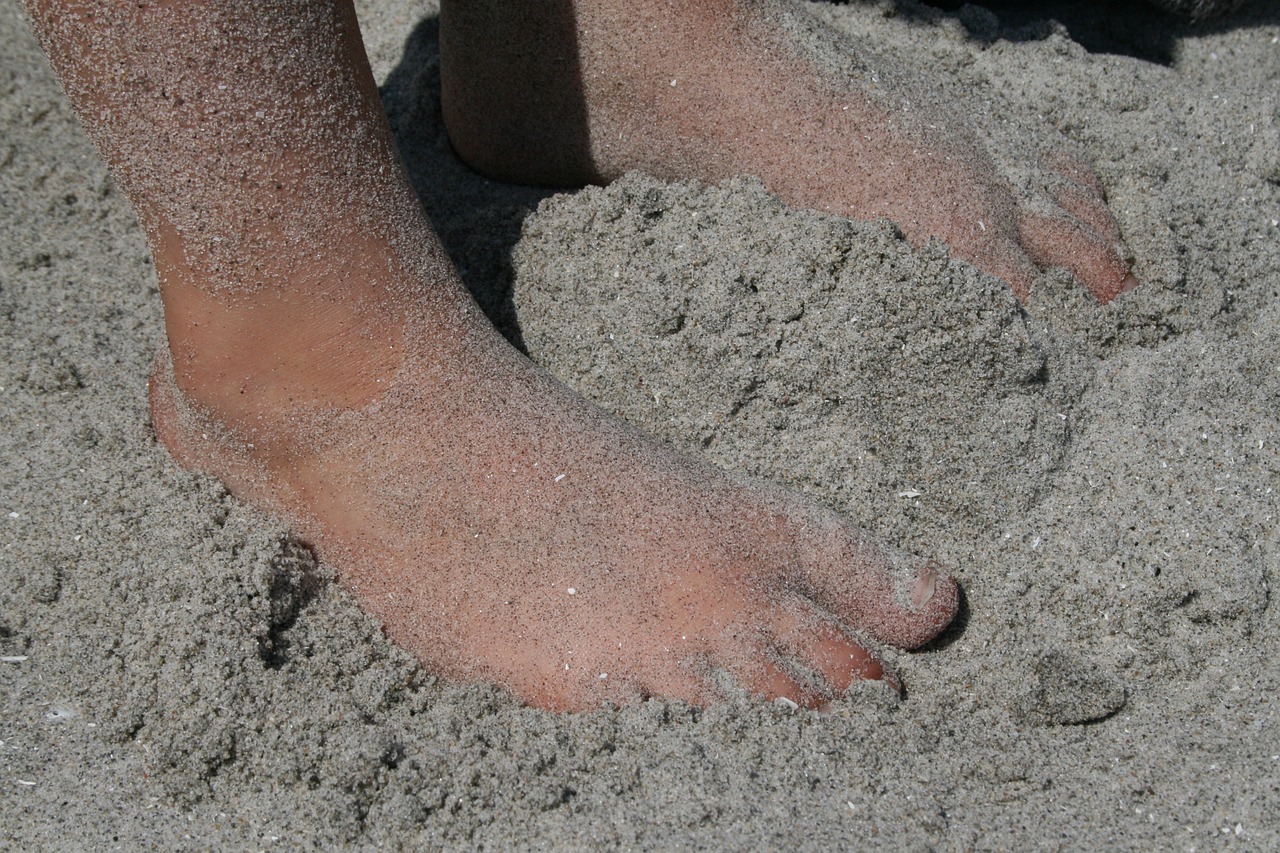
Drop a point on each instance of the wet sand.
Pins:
(178, 675)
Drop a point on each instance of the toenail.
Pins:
(926, 583)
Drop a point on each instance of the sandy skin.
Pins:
(529, 551)
(327, 364)
(152, 625)
(722, 88)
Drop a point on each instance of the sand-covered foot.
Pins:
(505, 530)
(717, 88)
(326, 364)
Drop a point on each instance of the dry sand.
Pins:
(177, 676)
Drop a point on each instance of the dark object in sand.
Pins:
(1198, 10)
(1191, 10)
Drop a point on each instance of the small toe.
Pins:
(769, 680)
(1005, 260)
(813, 641)
(1075, 169)
(689, 684)
(1090, 208)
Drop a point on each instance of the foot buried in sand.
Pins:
(719, 88)
(505, 530)
(326, 364)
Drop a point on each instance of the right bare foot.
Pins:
(583, 91)
(328, 365)
(505, 530)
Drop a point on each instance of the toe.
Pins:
(1086, 240)
(1005, 260)
(1090, 209)
(769, 680)
(888, 595)
(907, 601)
(1062, 241)
(688, 682)
(816, 643)
(1075, 169)
(591, 687)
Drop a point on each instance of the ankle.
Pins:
(250, 356)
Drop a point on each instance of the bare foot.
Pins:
(327, 364)
(505, 530)
(723, 87)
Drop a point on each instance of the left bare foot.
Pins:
(718, 88)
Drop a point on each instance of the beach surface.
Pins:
(176, 673)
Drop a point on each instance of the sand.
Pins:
(178, 675)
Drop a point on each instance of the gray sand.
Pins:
(177, 675)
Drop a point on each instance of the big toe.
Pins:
(1093, 258)
(890, 596)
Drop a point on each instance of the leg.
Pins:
(715, 88)
(325, 363)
